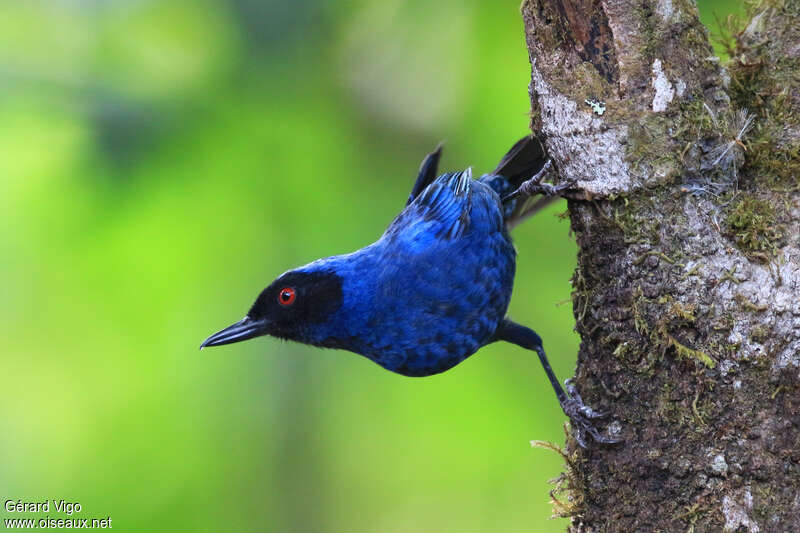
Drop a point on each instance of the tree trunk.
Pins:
(686, 209)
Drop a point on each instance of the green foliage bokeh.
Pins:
(160, 163)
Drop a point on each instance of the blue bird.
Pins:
(433, 289)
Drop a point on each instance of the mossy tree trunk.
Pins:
(686, 209)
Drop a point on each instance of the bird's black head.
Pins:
(293, 307)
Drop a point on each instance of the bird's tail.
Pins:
(523, 160)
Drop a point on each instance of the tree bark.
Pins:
(686, 210)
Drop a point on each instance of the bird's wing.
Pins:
(446, 201)
(441, 210)
(427, 173)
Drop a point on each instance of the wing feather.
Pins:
(446, 202)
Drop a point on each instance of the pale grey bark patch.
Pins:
(664, 90)
(736, 512)
(588, 150)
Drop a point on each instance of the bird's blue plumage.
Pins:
(433, 288)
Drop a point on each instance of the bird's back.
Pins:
(440, 279)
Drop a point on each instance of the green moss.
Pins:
(581, 297)
(622, 351)
(759, 334)
(698, 416)
(586, 83)
(725, 322)
(639, 260)
(779, 166)
(683, 312)
(567, 496)
(635, 230)
(691, 354)
(748, 305)
(646, 131)
(673, 316)
(753, 225)
(639, 321)
(730, 275)
(760, 82)
(697, 122)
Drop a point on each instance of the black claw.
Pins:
(579, 438)
(581, 416)
(579, 406)
(572, 390)
(548, 189)
(535, 185)
(583, 425)
(602, 439)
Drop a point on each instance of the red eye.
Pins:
(287, 296)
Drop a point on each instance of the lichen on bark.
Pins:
(687, 290)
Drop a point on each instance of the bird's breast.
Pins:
(431, 307)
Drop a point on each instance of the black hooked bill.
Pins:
(246, 328)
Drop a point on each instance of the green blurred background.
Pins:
(160, 163)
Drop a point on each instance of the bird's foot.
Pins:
(535, 185)
(581, 417)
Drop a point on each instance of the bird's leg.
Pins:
(535, 185)
(580, 414)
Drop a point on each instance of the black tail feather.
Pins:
(427, 172)
(522, 161)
